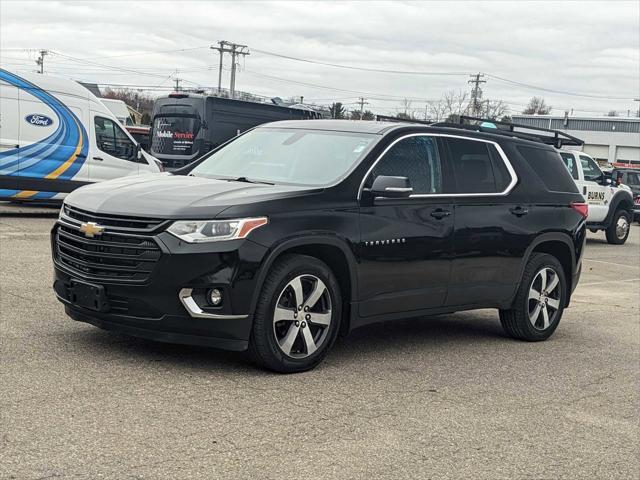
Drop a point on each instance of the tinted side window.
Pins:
(570, 163)
(477, 166)
(112, 140)
(415, 158)
(550, 168)
(633, 179)
(590, 168)
(500, 172)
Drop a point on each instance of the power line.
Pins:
(370, 95)
(413, 72)
(351, 67)
(550, 90)
(149, 52)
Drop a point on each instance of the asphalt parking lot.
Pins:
(443, 397)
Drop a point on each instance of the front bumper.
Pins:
(154, 308)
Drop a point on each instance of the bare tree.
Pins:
(406, 112)
(456, 103)
(406, 104)
(437, 110)
(142, 102)
(537, 106)
(451, 104)
(495, 109)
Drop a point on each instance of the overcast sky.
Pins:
(587, 48)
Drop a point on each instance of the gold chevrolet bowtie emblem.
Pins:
(91, 229)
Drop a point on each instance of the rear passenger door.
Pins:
(490, 237)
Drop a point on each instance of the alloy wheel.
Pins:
(544, 298)
(302, 316)
(622, 227)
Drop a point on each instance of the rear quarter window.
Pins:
(550, 168)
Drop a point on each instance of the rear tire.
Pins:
(618, 231)
(298, 315)
(539, 303)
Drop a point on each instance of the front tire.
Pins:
(297, 316)
(618, 231)
(539, 303)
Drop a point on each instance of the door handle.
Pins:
(97, 159)
(440, 213)
(519, 211)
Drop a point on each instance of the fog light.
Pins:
(215, 297)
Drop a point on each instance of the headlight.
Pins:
(199, 231)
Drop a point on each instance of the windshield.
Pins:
(304, 157)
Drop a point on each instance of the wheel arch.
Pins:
(561, 247)
(333, 251)
(621, 200)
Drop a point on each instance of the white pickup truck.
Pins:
(610, 205)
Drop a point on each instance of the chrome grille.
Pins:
(116, 254)
(117, 222)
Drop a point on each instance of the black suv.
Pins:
(298, 231)
(631, 178)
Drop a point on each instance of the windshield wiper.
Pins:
(247, 180)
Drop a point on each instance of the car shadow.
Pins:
(600, 241)
(456, 331)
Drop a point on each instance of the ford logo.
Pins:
(38, 120)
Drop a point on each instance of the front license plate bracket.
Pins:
(88, 295)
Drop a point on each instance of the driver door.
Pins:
(113, 153)
(406, 245)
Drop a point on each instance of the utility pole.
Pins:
(40, 60)
(476, 92)
(222, 49)
(178, 80)
(362, 101)
(236, 50)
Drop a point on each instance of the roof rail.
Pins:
(386, 118)
(487, 125)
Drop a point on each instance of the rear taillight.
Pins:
(581, 207)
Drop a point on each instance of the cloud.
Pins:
(590, 47)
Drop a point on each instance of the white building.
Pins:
(607, 139)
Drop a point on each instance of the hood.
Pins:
(174, 196)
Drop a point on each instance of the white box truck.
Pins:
(55, 136)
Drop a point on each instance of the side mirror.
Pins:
(391, 187)
(138, 151)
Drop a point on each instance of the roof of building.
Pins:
(574, 117)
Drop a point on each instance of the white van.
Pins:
(55, 136)
(119, 109)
